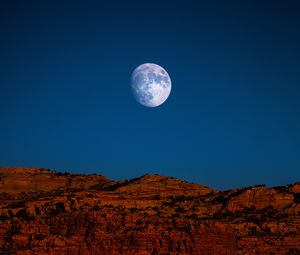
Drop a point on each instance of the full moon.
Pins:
(151, 84)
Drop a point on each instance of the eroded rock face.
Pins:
(43, 212)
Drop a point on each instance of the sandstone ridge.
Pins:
(47, 212)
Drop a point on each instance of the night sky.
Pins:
(233, 116)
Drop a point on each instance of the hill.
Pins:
(46, 212)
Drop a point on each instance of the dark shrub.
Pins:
(37, 210)
(22, 214)
(156, 197)
(96, 207)
(168, 203)
(293, 251)
(180, 198)
(10, 214)
(179, 210)
(60, 207)
(40, 236)
(221, 199)
(14, 230)
(17, 204)
(297, 197)
(192, 216)
(133, 209)
(3, 218)
(260, 186)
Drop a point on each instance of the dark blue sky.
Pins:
(233, 116)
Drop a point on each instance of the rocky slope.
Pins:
(44, 212)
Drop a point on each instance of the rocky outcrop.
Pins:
(44, 212)
(18, 180)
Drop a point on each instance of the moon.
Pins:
(150, 84)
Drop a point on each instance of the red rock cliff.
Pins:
(44, 212)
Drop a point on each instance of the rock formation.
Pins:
(46, 212)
